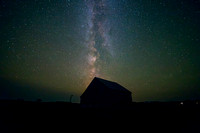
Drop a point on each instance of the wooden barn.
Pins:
(104, 92)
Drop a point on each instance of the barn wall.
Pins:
(97, 93)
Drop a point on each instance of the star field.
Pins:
(150, 47)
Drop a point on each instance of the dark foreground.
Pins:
(21, 116)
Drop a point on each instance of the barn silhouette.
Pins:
(104, 92)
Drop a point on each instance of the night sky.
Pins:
(51, 49)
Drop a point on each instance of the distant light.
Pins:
(181, 103)
(197, 102)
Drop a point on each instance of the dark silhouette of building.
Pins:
(104, 92)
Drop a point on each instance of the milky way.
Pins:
(97, 38)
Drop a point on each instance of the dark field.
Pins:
(24, 116)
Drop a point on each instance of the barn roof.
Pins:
(112, 85)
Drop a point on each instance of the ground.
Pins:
(24, 116)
